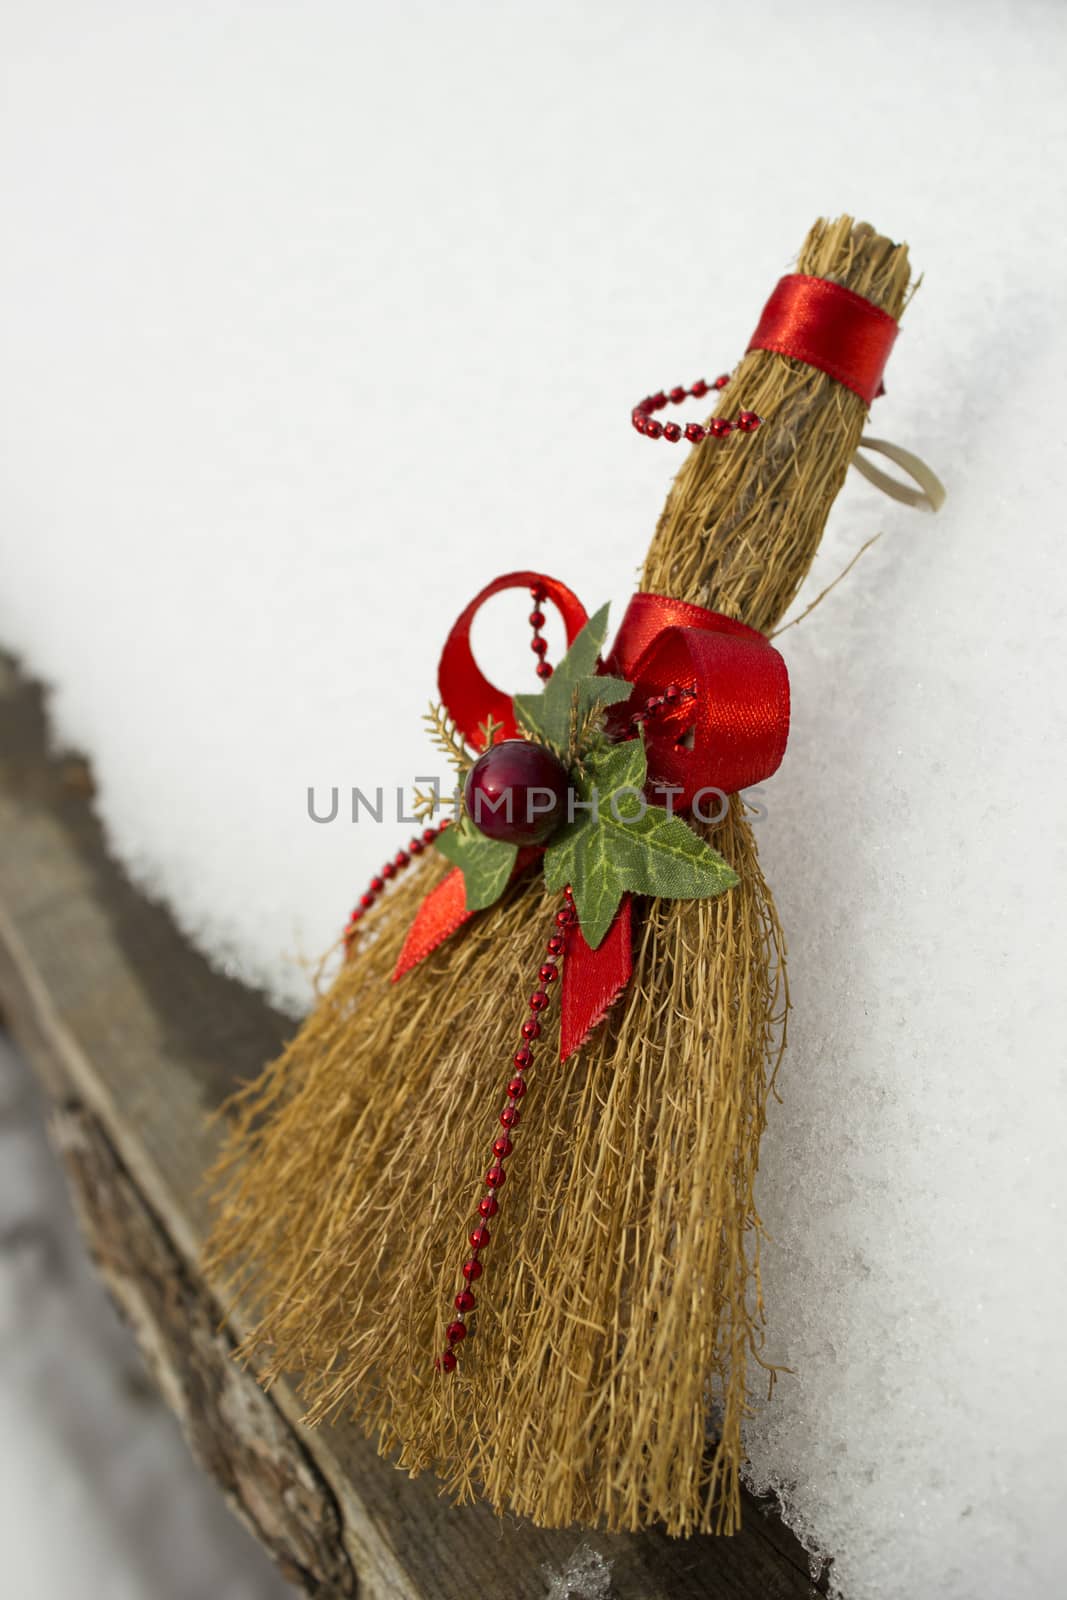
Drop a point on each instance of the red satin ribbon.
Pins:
(594, 979)
(466, 693)
(740, 716)
(829, 327)
(738, 721)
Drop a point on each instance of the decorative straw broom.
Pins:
(621, 1308)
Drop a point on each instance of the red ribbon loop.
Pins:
(466, 693)
(739, 718)
(829, 327)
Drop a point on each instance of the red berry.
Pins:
(694, 432)
(479, 1237)
(522, 1058)
(429, 835)
(401, 859)
(389, 870)
(672, 431)
(509, 1118)
(538, 1000)
(699, 389)
(496, 1177)
(456, 1331)
(472, 1269)
(489, 1206)
(544, 670)
(653, 429)
(447, 1361)
(517, 1088)
(366, 901)
(536, 619)
(502, 1146)
(531, 1028)
(748, 421)
(556, 945)
(677, 394)
(549, 972)
(464, 1301)
(377, 885)
(416, 847)
(517, 791)
(538, 645)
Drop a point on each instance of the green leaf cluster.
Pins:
(618, 843)
(614, 841)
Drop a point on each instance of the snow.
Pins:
(99, 1497)
(313, 319)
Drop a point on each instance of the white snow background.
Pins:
(314, 318)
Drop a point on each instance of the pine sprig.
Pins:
(424, 805)
(489, 730)
(585, 728)
(447, 737)
(585, 733)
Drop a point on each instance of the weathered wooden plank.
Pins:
(137, 1039)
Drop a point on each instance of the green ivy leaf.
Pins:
(659, 854)
(548, 715)
(603, 691)
(627, 845)
(616, 767)
(486, 864)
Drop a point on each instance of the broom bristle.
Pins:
(621, 1304)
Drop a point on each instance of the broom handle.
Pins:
(744, 517)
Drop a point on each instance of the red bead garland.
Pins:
(538, 644)
(718, 428)
(660, 702)
(389, 871)
(496, 1175)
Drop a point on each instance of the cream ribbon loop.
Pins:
(930, 494)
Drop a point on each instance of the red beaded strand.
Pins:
(539, 644)
(718, 428)
(389, 871)
(510, 1117)
(659, 703)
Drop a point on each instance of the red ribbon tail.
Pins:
(593, 979)
(440, 914)
(443, 911)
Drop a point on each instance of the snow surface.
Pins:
(315, 317)
(99, 1496)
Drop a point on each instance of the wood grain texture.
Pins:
(137, 1039)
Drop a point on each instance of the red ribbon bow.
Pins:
(728, 734)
